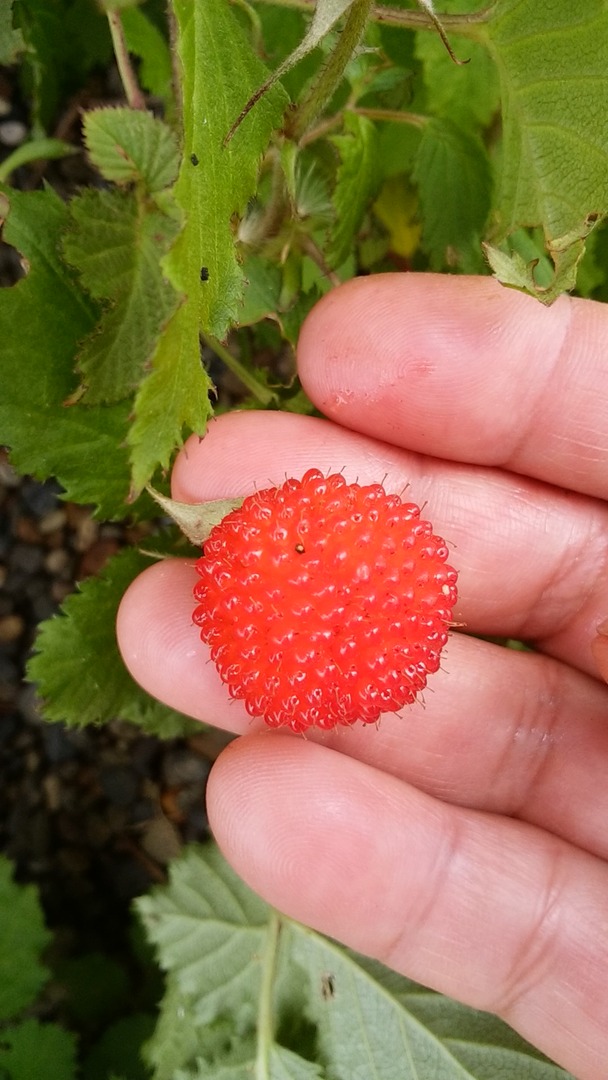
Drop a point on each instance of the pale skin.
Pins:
(465, 842)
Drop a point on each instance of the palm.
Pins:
(481, 812)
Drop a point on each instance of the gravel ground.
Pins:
(90, 816)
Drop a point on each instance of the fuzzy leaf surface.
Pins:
(214, 938)
(209, 932)
(377, 1023)
(32, 1049)
(213, 187)
(467, 94)
(77, 667)
(130, 146)
(172, 401)
(116, 244)
(326, 14)
(552, 58)
(34, 150)
(145, 40)
(23, 936)
(11, 40)
(53, 314)
(454, 184)
(356, 183)
(214, 191)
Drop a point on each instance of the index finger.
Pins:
(464, 369)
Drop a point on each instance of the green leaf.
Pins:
(372, 1019)
(214, 185)
(453, 177)
(77, 667)
(257, 988)
(35, 150)
(37, 1050)
(326, 14)
(119, 1051)
(23, 936)
(116, 243)
(216, 181)
(467, 94)
(96, 988)
(262, 297)
(11, 40)
(42, 319)
(129, 146)
(531, 273)
(552, 57)
(172, 401)
(145, 40)
(356, 184)
(209, 931)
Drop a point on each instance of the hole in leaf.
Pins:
(13, 265)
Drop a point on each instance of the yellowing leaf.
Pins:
(397, 208)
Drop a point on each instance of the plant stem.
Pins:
(260, 392)
(410, 20)
(310, 248)
(133, 94)
(395, 116)
(331, 73)
(265, 1022)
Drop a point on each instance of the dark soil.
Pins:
(91, 816)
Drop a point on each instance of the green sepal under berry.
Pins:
(195, 520)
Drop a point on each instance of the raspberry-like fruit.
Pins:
(324, 602)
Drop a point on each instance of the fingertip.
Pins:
(162, 650)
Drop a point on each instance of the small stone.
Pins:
(96, 556)
(119, 784)
(12, 132)
(27, 558)
(11, 628)
(51, 787)
(181, 767)
(161, 841)
(58, 745)
(57, 561)
(26, 529)
(53, 521)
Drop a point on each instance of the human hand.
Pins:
(463, 843)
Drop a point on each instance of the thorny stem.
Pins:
(265, 1021)
(331, 73)
(262, 393)
(395, 116)
(133, 94)
(310, 248)
(413, 20)
(274, 212)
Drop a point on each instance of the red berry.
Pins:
(324, 602)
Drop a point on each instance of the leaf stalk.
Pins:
(265, 1019)
(260, 392)
(330, 76)
(133, 94)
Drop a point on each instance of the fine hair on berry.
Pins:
(324, 603)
